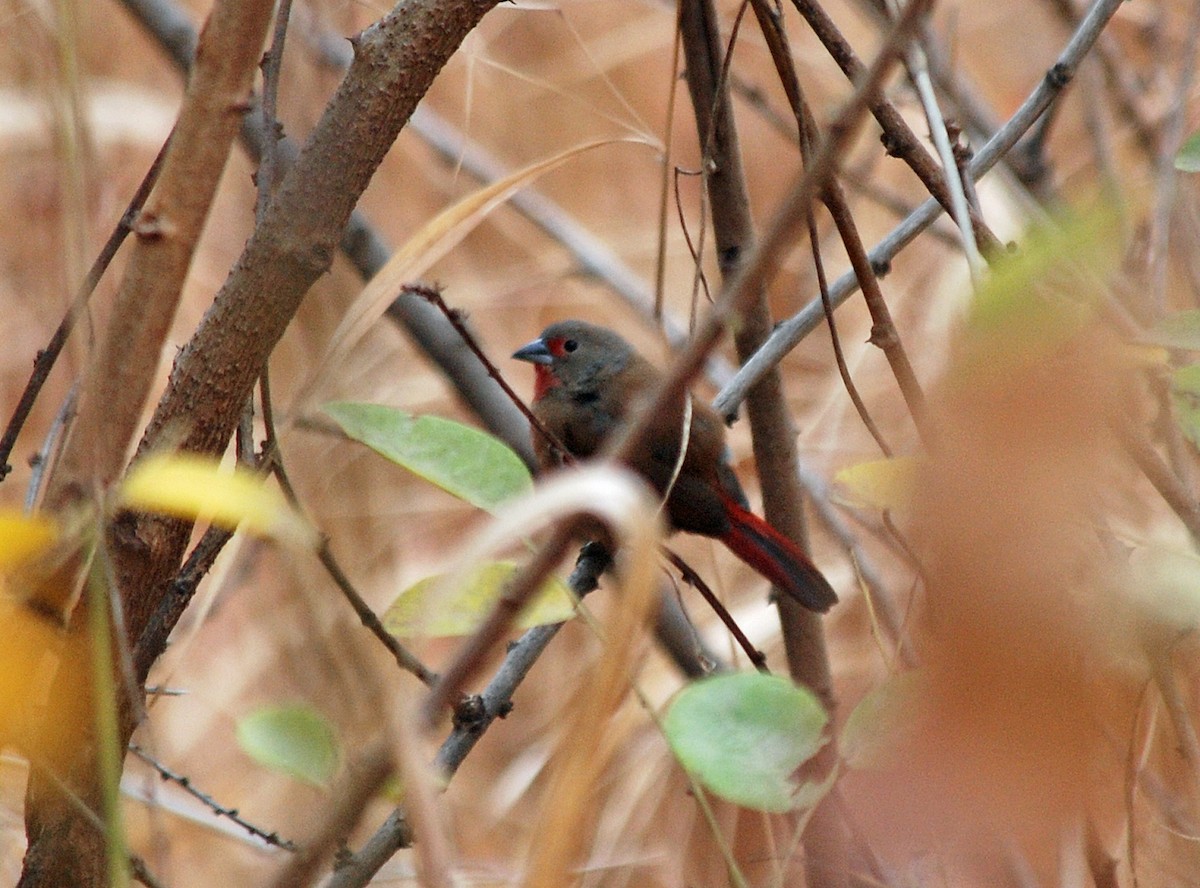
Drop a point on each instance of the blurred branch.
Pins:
(747, 270)
(364, 778)
(1166, 188)
(787, 334)
(1182, 501)
(472, 717)
(1123, 91)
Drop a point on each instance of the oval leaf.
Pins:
(1180, 329)
(186, 485)
(421, 610)
(878, 484)
(743, 736)
(1185, 396)
(295, 740)
(1188, 158)
(1167, 583)
(881, 721)
(470, 464)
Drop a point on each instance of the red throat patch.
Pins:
(543, 380)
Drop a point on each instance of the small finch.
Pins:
(588, 382)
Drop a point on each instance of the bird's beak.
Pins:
(536, 352)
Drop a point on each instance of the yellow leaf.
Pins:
(878, 484)
(23, 536)
(190, 486)
(429, 608)
(433, 241)
(31, 648)
(1143, 357)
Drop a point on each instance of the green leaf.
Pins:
(1178, 330)
(416, 611)
(1188, 158)
(470, 464)
(880, 721)
(1185, 396)
(1037, 298)
(293, 739)
(744, 735)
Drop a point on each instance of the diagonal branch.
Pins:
(789, 332)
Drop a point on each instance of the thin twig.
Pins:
(756, 657)
(46, 358)
(362, 782)
(834, 199)
(1159, 474)
(174, 601)
(790, 332)
(185, 783)
(898, 138)
(273, 459)
(51, 446)
(473, 716)
(433, 296)
(267, 173)
(881, 602)
(960, 208)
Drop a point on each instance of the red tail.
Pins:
(777, 558)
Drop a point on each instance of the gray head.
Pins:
(575, 353)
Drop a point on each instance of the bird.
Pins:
(588, 382)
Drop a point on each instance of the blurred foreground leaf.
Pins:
(295, 740)
(1179, 329)
(419, 610)
(1036, 299)
(880, 722)
(470, 464)
(189, 486)
(878, 484)
(744, 735)
(1188, 158)
(23, 536)
(1185, 396)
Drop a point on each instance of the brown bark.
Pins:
(395, 62)
(772, 432)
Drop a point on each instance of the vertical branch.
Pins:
(122, 372)
(771, 427)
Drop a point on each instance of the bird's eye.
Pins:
(570, 345)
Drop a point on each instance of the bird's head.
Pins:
(574, 353)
